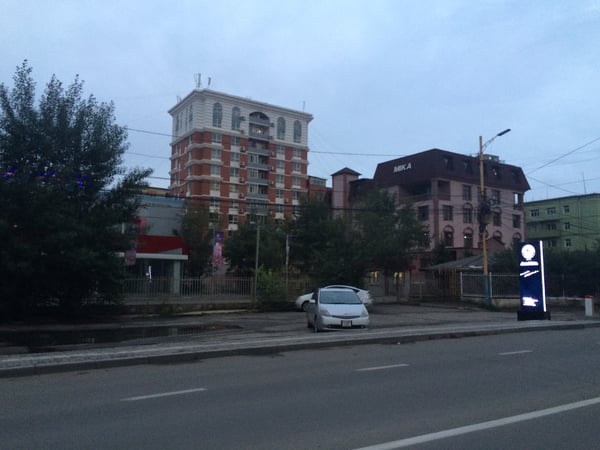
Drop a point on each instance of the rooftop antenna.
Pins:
(584, 188)
(198, 79)
(209, 79)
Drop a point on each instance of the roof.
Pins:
(436, 163)
(471, 263)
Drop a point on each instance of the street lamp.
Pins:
(256, 260)
(485, 212)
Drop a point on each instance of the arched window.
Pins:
(448, 236)
(281, 128)
(235, 118)
(468, 238)
(297, 131)
(217, 115)
(516, 239)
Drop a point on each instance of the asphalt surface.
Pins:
(29, 350)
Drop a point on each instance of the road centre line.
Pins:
(482, 426)
(162, 394)
(393, 366)
(516, 352)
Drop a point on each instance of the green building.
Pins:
(570, 223)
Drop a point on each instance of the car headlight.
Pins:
(364, 313)
(324, 312)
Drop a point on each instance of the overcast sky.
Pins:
(383, 79)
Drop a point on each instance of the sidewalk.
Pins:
(194, 337)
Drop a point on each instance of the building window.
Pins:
(467, 214)
(496, 196)
(449, 238)
(496, 218)
(567, 226)
(516, 221)
(280, 151)
(216, 138)
(278, 193)
(447, 212)
(535, 213)
(550, 243)
(448, 162)
(233, 219)
(551, 226)
(281, 128)
(551, 211)
(234, 188)
(234, 172)
(279, 179)
(235, 118)
(466, 192)
(235, 157)
(566, 209)
(516, 239)
(217, 115)
(467, 166)
(567, 242)
(468, 239)
(296, 182)
(280, 164)
(296, 167)
(215, 203)
(297, 131)
(215, 153)
(215, 170)
(297, 153)
(517, 200)
(423, 213)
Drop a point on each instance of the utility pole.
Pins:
(485, 212)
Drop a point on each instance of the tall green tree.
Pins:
(326, 248)
(198, 235)
(389, 234)
(240, 248)
(63, 196)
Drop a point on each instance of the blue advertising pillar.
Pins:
(531, 282)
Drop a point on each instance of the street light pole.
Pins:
(484, 213)
(256, 260)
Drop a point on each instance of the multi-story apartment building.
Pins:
(238, 156)
(444, 188)
(571, 223)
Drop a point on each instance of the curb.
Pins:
(195, 352)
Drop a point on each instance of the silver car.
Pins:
(364, 295)
(336, 308)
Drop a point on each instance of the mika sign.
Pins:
(402, 167)
(531, 282)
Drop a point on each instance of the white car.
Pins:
(331, 308)
(365, 296)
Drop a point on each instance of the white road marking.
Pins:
(162, 394)
(517, 352)
(393, 366)
(482, 426)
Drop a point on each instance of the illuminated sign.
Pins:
(531, 282)
(402, 167)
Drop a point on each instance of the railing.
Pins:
(501, 285)
(206, 287)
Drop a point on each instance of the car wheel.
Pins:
(304, 306)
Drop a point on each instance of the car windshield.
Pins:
(345, 297)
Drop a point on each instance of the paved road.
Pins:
(518, 391)
(209, 335)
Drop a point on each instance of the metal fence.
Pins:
(501, 285)
(213, 287)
